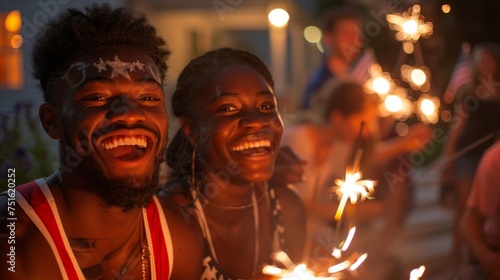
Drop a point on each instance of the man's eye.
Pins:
(96, 98)
(150, 98)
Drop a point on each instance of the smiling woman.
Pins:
(221, 159)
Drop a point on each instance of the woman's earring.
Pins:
(193, 165)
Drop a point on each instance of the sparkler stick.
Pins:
(358, 151)
(351, 187)
(466, 149)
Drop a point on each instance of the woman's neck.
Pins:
(228, 193)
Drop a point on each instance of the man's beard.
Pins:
(127, 193)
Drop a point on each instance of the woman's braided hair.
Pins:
(197, 74)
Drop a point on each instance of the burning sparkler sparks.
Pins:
(352, 188)
(301, 272)
(379, 82)
(427, 111)
(410, 25)
(417, 273)
(417, 77)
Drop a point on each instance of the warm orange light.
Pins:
(13, 21)
(16, 41)
(446, 8)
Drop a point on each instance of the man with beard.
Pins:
(97, 217)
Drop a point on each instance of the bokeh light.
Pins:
(381, 85)
(446, 116)
(13, 21)
(418, 76)
(402, 128)
(446, 8)
(278, 17)
(408, 47)
(393, 103)
(16, 41)
(427, 106)
(410, 26)
(312, 34)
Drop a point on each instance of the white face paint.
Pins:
(78, 71)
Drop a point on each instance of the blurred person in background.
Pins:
(481, 220)
(342, 41)
(326, 143)
(476, 115)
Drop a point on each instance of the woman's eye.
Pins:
(227, 108)
(267, 106)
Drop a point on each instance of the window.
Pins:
(11, 58)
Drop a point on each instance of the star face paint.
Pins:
(80, 71)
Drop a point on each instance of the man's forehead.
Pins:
(131, 65)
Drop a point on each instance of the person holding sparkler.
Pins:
(327, 145)
(481, 220)
(473, 130)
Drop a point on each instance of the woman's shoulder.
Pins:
(288, 196)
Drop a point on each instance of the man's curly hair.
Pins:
(74, 33)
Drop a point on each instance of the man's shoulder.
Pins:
(185, 233)
(19, 235)
(179, 212)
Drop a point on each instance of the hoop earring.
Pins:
(195, 189)
(193, 165)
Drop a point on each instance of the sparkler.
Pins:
(352, 187)
(379, 82)
(417, 77)
(349, 188)
(417, 273)
(427, 109)
(301, 272)
(410, 25)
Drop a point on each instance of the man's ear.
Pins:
(50, 119)
(189, 131)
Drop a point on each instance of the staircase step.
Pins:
(423, 252)
(426, 223)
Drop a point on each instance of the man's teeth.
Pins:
(116, 141)
(251, 144)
